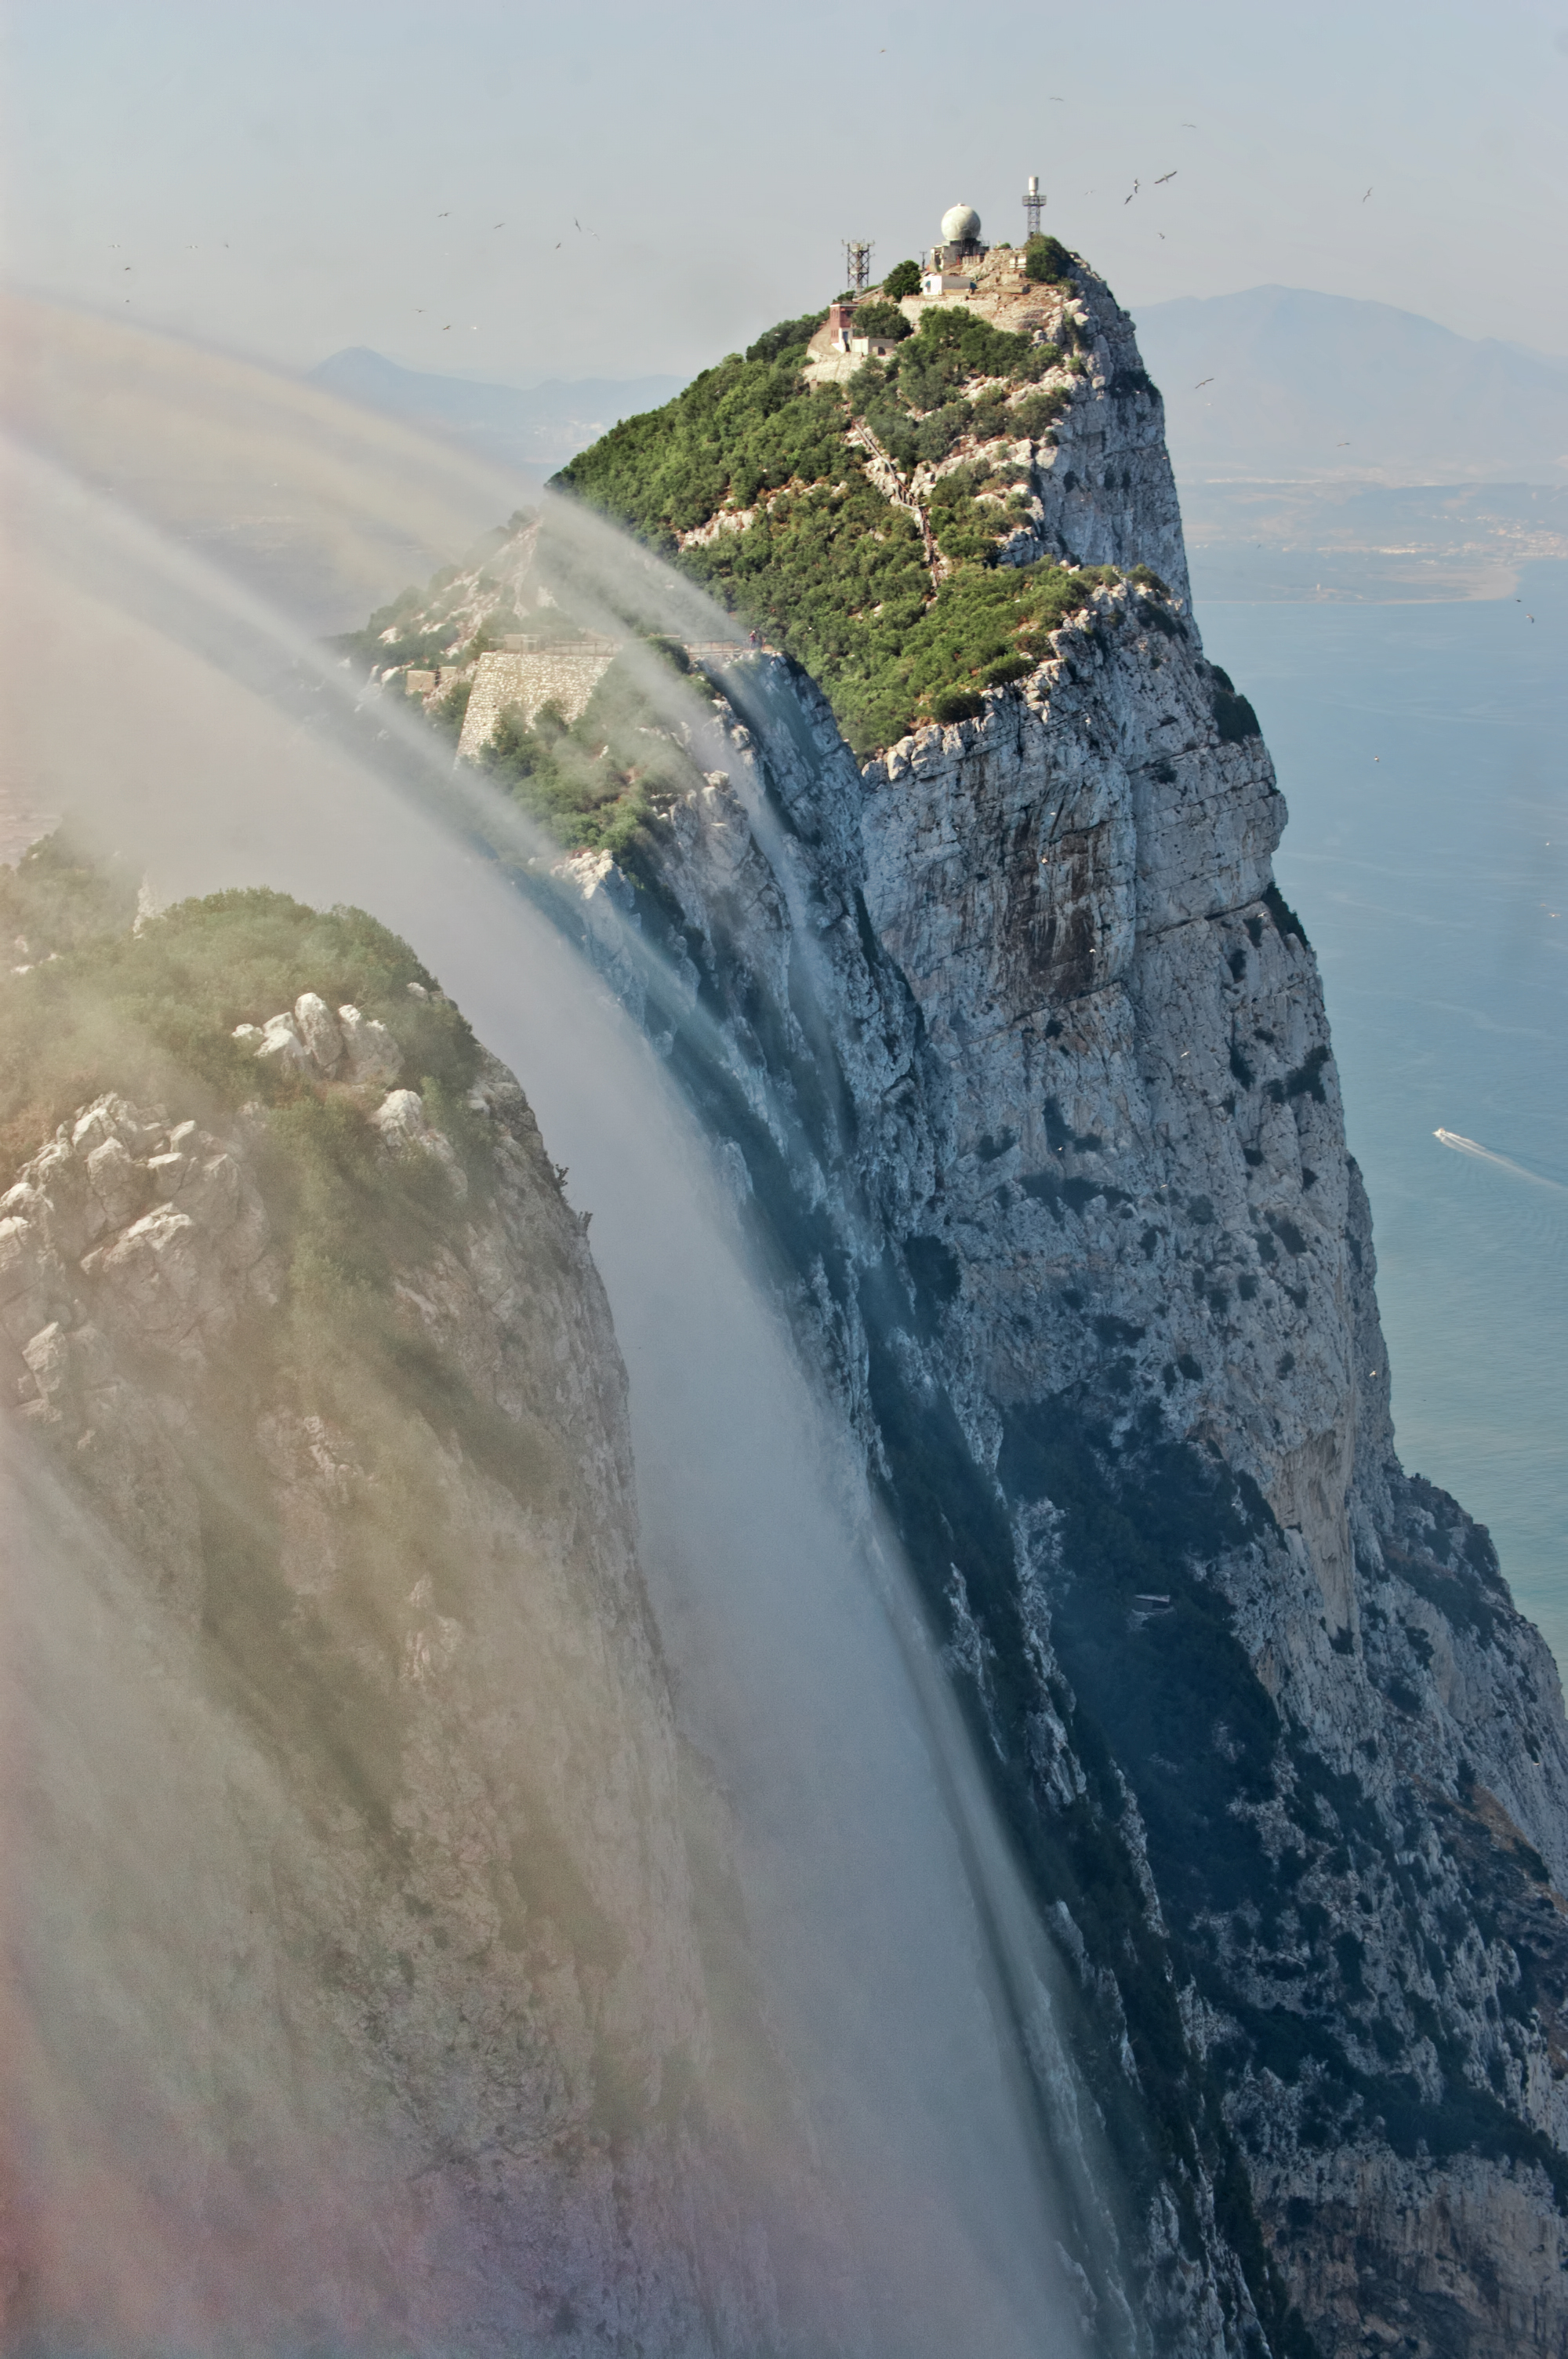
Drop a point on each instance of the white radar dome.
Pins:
(961, 225)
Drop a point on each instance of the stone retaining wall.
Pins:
(562, 675)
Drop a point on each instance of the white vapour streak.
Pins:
(1462, 1145)
(880, 1973)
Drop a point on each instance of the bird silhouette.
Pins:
(443, 216)
(1201, 383)
(1164, 177)
(1368, 193)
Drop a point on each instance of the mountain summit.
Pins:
(1020, 1061)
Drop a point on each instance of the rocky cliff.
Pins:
(1019, 1059)
(358, 1989)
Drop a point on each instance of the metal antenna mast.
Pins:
(858, 264)
(1034, 205)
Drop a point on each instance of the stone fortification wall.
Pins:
(565, 676)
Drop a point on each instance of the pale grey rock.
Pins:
(373, 1056)
(282, 1046)
(400, 1118)
(318, 1030)
(405, 1127)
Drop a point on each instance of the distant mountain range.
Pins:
(1278, 381)
(535, 433)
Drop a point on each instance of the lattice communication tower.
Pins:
(857, 263)
(1034, 205)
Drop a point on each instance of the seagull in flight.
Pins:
(1368, 193)
(1166, 176)
(1201, 383)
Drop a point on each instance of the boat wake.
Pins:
(1462, 1145)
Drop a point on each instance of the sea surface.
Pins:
(1423, 751)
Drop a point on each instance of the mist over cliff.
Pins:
(945, 907)
(1021, 1061)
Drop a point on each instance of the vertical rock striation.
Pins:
(1021, 1061)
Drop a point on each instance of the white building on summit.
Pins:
(949, 266)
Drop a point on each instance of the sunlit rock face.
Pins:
(356, 1991)
(1021, 1063)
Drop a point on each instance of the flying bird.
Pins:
(1201, 383)
(498, 224)
(1166, 176)
(1368, 193)
(443, 216)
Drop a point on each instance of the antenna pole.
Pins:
(857, 263)
(1034, 205)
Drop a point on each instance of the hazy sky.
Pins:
(522, 191)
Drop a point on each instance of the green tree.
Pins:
(1047, 261)
(883, 319)
(903, 280)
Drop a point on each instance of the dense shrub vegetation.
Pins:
(903, 280)
(822, 563)
(883, 319)
(151, 1015)
(1047, 261)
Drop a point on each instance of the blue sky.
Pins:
(289, 180)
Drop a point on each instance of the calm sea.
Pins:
(1423, 750)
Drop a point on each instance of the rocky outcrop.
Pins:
(407, 2042)
(1020, 1060)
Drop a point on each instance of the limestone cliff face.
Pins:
(385, 2010)
(1021, 1063)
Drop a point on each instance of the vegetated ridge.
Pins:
(1019, 1061)
(352, 1759)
